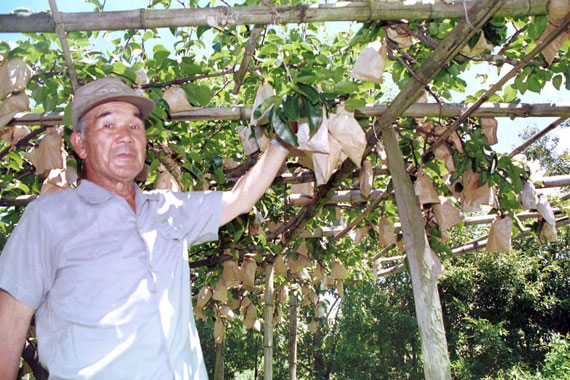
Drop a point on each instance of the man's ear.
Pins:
(78, 145)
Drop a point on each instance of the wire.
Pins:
(467, 16)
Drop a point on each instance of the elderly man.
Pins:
(104, 266)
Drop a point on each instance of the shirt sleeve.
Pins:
(194, 216)
(203, 215)
(27, 265)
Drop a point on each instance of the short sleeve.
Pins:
(27, 263)
(193, 216)
(204, 213)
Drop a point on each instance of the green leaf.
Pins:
(309, 92)
(238, 233)
(307, 77)
(198, 95)
(314, 114)
(557, 81)
(345, 87)
(509, 94)
(268, 50)
(67, 115)
(281, 127)
(534, 83)
(200, 30)
(195, 156)
(219, 175)
(121, 69)
(537, 27)
(354, 103)
(291, 107)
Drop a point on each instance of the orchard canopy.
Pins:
(392, 153)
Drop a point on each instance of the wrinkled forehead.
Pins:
(115, 108)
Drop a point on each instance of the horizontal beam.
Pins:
(476, 220)
(342, 196)
(415, 110)
(355, 196)
(360, 11)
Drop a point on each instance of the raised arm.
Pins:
(15, 319)
(253, 184)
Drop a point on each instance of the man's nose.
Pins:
(125, 133)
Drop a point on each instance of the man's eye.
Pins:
(134, 126)
(107, 125)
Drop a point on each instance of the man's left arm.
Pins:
(252, 185)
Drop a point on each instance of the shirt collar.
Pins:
(93, 193)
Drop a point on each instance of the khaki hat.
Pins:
(105, 90)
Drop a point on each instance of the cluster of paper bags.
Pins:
(15, 75)
(300, 265)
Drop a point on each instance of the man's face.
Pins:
(114, 147)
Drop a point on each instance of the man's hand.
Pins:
(15, 319)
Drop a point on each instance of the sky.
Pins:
(508, 129)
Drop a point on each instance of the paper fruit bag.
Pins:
(500, 235)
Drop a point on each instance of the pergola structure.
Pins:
(471, 16)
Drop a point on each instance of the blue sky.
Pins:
(508, 129)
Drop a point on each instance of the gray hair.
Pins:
(81, 126)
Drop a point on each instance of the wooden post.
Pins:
(426, 297)
(292, 337)
(268, 331)
(219, 367)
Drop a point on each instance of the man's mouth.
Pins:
(125, 154)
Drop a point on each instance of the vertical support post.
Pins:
(426, 297)
(268, 331)
(292, 337)
(219, 368)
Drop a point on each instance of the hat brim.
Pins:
(145, 105)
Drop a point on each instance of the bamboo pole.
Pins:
(332, 231)
(360, 11)
(355, 196)
(415, 110)
(292, 337)
(537, 136)
(250, 49)
(60, 30)
(268, 328)
(342, 196)
(219, 366)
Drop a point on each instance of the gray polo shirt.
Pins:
(111, 288)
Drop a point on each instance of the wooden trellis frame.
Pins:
(447, 110)
(436, 362)
(359, 11)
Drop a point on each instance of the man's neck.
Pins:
(125, 189)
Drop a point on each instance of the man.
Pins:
(104, 266)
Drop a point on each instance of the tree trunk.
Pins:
(219, 368)
(292, 337)
(426, 297)
(268, 332)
